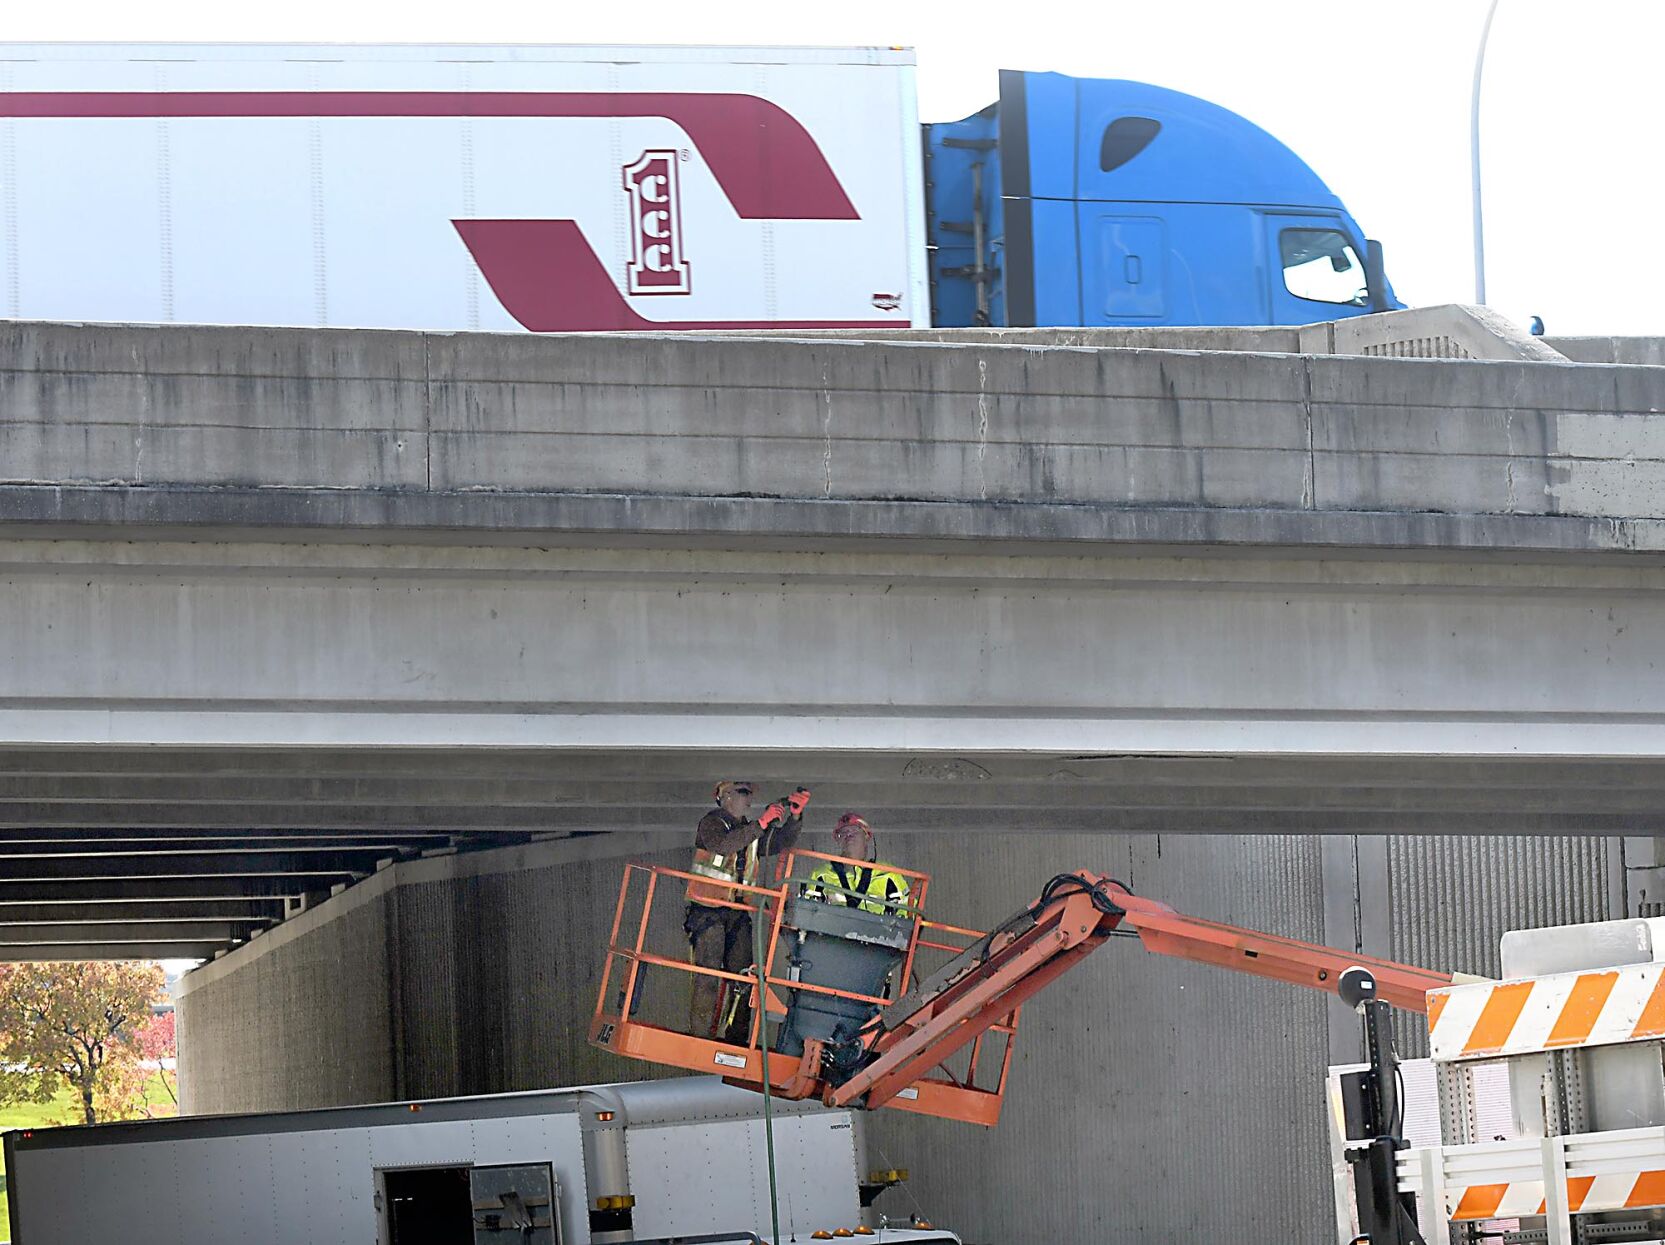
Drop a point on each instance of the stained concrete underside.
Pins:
(171, 853)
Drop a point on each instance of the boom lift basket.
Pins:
(830, 968)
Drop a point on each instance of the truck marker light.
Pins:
(604, 1116)
(415, 1106)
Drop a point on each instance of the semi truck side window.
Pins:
(1321, 265)
(1124, 138)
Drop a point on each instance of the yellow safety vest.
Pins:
(887, 888)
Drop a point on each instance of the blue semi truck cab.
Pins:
(1076, 201)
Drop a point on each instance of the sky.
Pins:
(1374, 94)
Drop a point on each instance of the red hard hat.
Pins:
(850, 820)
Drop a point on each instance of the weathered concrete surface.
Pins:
(1452, 331)
(441, 798)
(626, 436)
(452, 974)
(305, 1029)
(1262, 339)
(895, 563)
(1134, 1080)
(1642, 350)
(282, 646)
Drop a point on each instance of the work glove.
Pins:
(772, 816)
(798, 801)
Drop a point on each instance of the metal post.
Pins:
(1557, 1213)
(979, 271)
(1474, 154)
(1378, 1052)
(1431, 1209)
(761, 971)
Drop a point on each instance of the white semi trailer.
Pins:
(646, 1161)
(435, 187)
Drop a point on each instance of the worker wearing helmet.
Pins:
(728, 845)
(873, 888)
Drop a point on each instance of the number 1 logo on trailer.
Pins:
(657, 265)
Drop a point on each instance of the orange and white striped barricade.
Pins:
(1597, 1007)
(1552, 1177)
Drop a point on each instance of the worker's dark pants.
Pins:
(721, 938)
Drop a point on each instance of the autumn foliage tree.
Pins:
(138, 1083)
(77, 1025)
(158, 1043)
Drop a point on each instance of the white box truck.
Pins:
(644, 1161)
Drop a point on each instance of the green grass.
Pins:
(65, 1108)
(33, 1114)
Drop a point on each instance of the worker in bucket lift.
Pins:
(873, 888)
(728, 845)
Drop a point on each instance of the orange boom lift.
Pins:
(944, 1046)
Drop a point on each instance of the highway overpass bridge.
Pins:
(283, 606)
(371, 655)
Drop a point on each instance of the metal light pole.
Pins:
(1474, 152)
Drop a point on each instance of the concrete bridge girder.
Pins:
(285, 646)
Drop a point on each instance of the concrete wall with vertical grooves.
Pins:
(308, 1025)
(1453, 896)
(1136, 1084)
(500, 973)
(429, 1043)
(1136, 1080)
(417, 983)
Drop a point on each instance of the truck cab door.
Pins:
(1124, 275)
(1315, 269)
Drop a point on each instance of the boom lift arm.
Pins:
(1075, 914)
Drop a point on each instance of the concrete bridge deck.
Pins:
(760, 442)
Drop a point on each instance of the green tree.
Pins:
(74, 1024)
